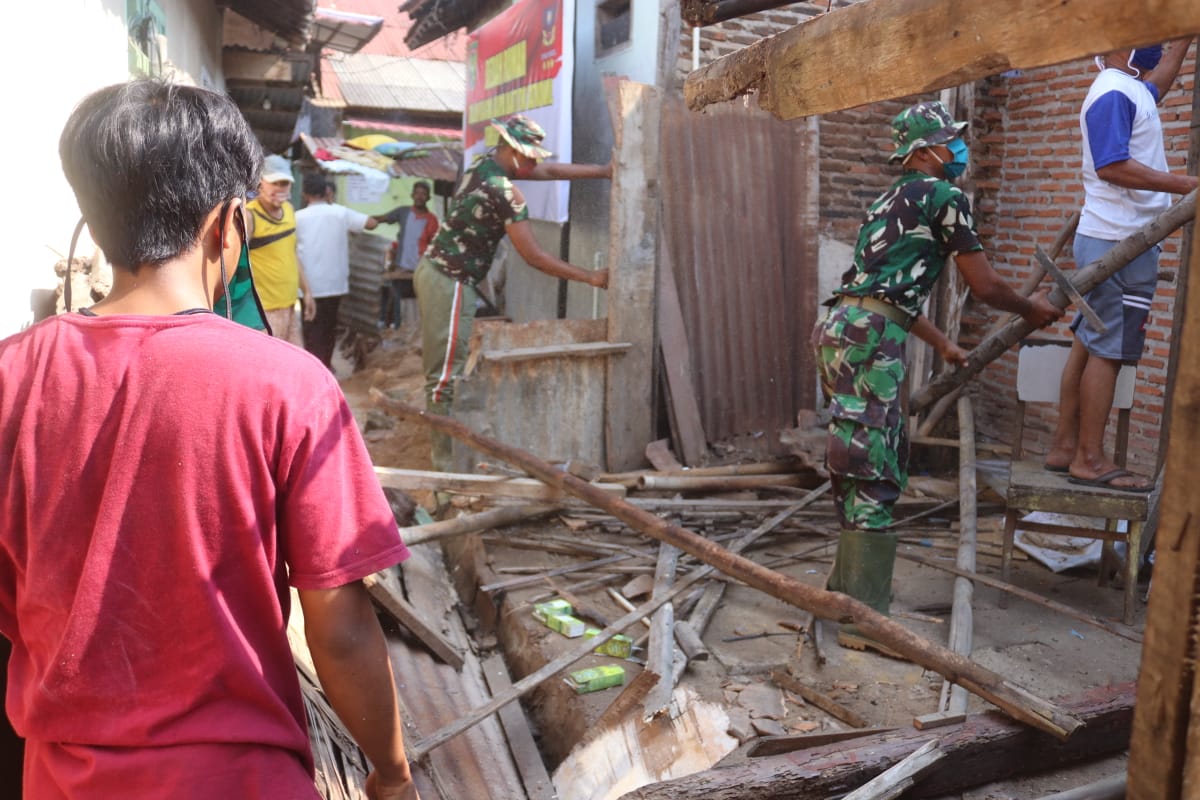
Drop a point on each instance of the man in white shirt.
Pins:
(1126, 185)
(323, 244)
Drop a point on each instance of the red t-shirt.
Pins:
(162, 481)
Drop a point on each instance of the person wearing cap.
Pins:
(1126, 184)
(323, 244)
(486, 207)
(278, 274)
(909, 233)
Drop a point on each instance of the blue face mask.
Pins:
(958, 165)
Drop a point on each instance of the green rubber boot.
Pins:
(441, 450)
(863, 569)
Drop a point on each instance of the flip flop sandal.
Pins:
(1105, 481)
(1053, 468)
(856, 641)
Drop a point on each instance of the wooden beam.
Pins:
(1012, 698)
(580, 350)
(687, 427)
(880, 49)
(465, 483)
(526, 756)
(632, 264)
(985, 748)
(385, 590)
(962, 617)
(1159, 754)
(473, 523)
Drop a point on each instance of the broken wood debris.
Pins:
(985, 748)
(895, 781)
(1016, 701)
(473, 523)
(385, 590)
(819, 699)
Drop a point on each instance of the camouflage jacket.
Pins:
(482, 207)
(909, 233)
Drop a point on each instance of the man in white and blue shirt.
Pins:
(1126, 185)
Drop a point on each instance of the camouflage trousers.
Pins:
(860, 355)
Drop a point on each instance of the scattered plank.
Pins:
(686, 423)
(1013, 699)
(893, 782)
(659, 454)
(524, 749)
(662, 653)
(938, 719)
(778, 745)
(578, 350)
(385, 590)
(724, 483)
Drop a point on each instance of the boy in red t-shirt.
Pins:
(167, 474)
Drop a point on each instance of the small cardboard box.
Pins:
(542, 611)
(619, 646)
(596, 678)
(565, 624)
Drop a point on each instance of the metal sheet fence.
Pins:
(740, 223)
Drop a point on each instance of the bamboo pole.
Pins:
(1014, 700)
(1085, 279)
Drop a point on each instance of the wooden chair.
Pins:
(1032, 488)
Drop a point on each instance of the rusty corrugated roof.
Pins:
(291, 19)
(391, 83)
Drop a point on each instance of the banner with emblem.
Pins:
(523, 62)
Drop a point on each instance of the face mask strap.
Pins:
(221, 220)
(71, 260)
(1129, 64)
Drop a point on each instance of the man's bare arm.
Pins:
(522, 238)
(351, 657)
(1133, 174)
(553, 171)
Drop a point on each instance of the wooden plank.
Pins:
(985, 748)
(891, 783)
(661, 652)
(385, 590)
(687, 427)
(473, 523)
(1159, 754)
(466, 483)
(632, 263)
(582, 350)
(881, 49)
(520, 738)
(777, 745)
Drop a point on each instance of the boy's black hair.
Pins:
(149, 160)
(315, 185)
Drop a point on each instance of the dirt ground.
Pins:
(1048, 654)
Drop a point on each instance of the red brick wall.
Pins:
(1026, 161)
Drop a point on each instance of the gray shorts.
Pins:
(1122, 301)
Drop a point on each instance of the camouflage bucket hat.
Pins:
(524, 135)
(922, 125)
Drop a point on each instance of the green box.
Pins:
(565, 624)
(596, 678)
(542, 611)
(619, 646)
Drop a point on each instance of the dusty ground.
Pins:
(1045, 653)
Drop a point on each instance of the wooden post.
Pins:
(1162, 766)
(954, 698)
(632, 264)
(1014, 700)
(1085, 279)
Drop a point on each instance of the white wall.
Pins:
(57, 52)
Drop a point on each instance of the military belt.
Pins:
(881, 307)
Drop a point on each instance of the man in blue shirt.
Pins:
(1126, 185)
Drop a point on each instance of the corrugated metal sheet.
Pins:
(359, 310)
(287, 18)
(740, 226)
(386, 82)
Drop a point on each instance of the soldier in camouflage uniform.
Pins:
(485, 207)
(909, 233)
